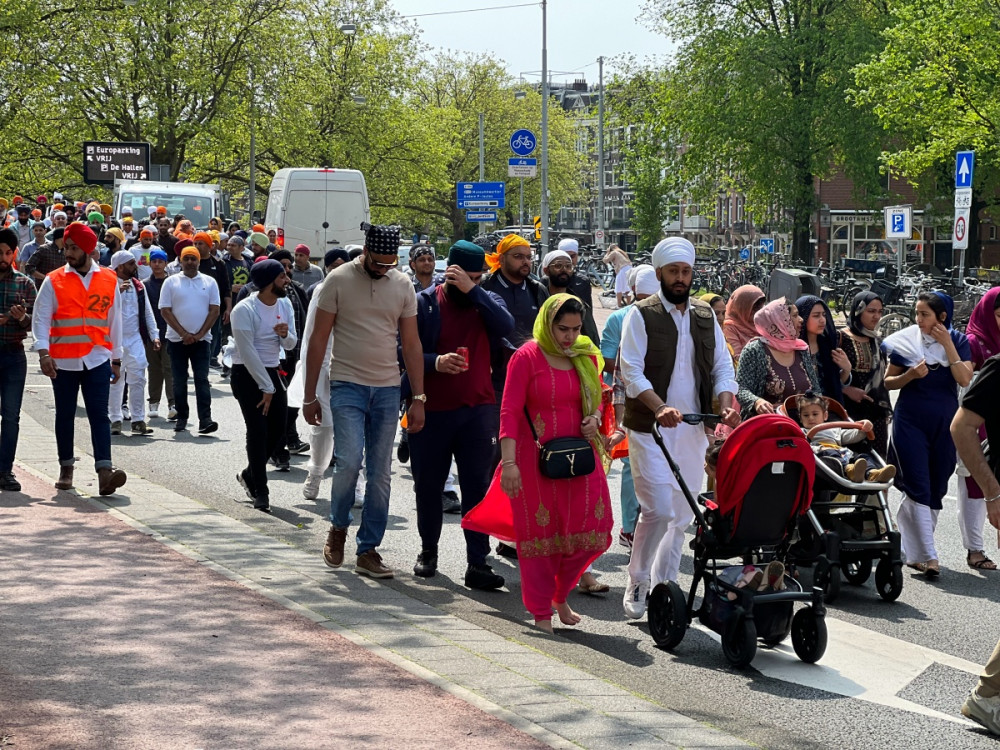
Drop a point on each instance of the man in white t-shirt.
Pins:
(189, 303)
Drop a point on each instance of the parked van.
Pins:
(198, 202)
(318, 207)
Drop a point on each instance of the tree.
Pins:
(757, 93)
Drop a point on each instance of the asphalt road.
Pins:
(895, 673)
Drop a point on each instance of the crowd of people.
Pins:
(501, 378)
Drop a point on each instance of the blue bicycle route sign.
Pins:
(523, 142)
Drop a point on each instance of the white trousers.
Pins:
(664, 512)
(916, 524)
(320, 439)
(971, 517)
(133, 372)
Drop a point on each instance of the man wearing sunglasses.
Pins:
(364, 304)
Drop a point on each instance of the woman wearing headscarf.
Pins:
(928, 361)
(983, 333)
(561, 525)
(718, 306)
(818, 330)
(739, 328)
(866, 397)
(777, 364)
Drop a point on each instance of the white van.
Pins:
(319, 208)
(198, 202)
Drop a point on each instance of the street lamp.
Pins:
(359, 99)
(347, 28)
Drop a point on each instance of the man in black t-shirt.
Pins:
(980, 406)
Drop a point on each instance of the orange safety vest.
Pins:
(81, 320)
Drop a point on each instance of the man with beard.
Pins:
(77, 326)
(688, 365)
(263, 325)
(38, 231)
(22, 225)
(114, 240)
(17, 298)
(46, 258)
(365, 305)
(557, 269)
(161, 376)
(579, 287)
(139, 329)
(452, 316)
(164, 239)
(141, 248)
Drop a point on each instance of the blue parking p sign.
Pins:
(898, 223)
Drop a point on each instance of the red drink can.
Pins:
(463, 351)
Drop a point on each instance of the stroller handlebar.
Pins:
(843, 425)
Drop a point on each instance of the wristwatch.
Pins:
(421, 397)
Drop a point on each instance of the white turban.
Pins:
(569, 245)
(673, 250)
(549, 257)
(631, 276)
(646, 281)
(121, 258)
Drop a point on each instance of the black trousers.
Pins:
(468, 434)
(263, 431)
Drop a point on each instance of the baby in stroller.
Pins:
(830, 445)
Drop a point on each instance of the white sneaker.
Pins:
(634, 601)
(154, 411)
(310, 489)
(985, 711)
(172, 413)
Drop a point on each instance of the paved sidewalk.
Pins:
(117, 636)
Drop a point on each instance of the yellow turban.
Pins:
(507, 243)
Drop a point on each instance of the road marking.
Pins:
(862, 664)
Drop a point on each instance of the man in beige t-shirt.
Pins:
(364, 304)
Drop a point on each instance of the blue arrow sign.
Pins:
(965, 163)
(745, 253)
(523, 142)
(767, 245)
(485, 195)
(481, 216)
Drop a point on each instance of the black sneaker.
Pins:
(263, 504)
(450, 502)
(505, 550)
(208, 427)
(244, 481)
(180, 425)
(215, 364)
(483, 578)
(298, 448)
(225, 372)
(403, 451)
(9, 483)
(281, 464)
(427, 563)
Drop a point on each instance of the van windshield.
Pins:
(196, 208)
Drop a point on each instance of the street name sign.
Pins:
(106, 161)
(480, 194)
(481, 216)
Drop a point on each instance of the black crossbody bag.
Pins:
(565, 457)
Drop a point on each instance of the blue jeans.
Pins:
(13, 371)
(364, 425)
(216, 342)
(197, 354)
(630, 503)
(95, 385)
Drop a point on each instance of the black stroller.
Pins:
(850, 526)
(764, 485)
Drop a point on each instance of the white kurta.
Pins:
(664, 511)
(134, 362)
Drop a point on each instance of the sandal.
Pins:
(919, 567)
(933, 570)
(594, 588)
(984, 564)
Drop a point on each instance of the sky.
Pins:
(579, 31)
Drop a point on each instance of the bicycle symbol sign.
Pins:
(522, 142)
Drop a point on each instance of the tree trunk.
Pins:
(803, 207)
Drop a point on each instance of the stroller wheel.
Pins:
(808, 635)
(889, 579)
(739, 642)
(667, 615)
(856, 570)
(827, 577)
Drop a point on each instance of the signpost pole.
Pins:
(482, 148)
(600, 150)
(544, 211)
(520, 205)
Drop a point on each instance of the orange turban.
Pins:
(161, 210)
(203, 237)
(508, 242)
(259, 228)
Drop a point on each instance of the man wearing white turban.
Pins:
(579, 287)
(688, 365)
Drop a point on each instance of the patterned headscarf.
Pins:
(774, 324)
(381, 239)
(507, 243)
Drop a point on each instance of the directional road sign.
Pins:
(521, 167)
(898, 222)
(745, 253)
(481, 216)
(767, 245)
(523, 142)
(960, 237)
(537, 222)
(965, 162)
(104, 161)
(480, 194)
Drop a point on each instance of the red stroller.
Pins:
(764, 484)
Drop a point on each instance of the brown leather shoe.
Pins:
(333, 552)
(370, 564)
(65, 481)
(109, 480)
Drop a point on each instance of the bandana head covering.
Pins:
(582, 354)
(549, 257)
(264, 272)
(646, 281)
(507, 243)
(158, 255)
(419, 250)
(381, 239)
(259, 239)
(568, 245)
(983, 330)
(739, 327)
(468, 255)
(774, 324)
(673, 250)
(828, 340)
(82, 236)
(121, 258)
